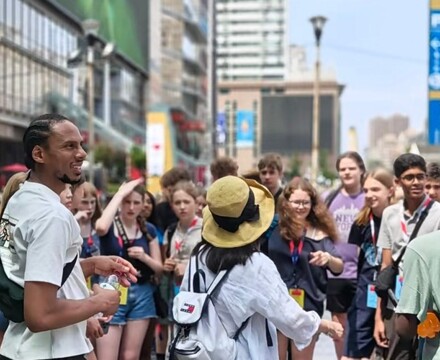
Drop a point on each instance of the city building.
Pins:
(382, 126)
(182, 109)
(257, 117)
(40, 41)
(252, 40)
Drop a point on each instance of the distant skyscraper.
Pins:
(252, 39)
(379, 127)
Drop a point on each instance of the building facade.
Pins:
(252, 40)
(37, 40)
(261, 117)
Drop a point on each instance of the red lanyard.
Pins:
(178, 244)
(121, 242)
(90, 241)
(295, 252)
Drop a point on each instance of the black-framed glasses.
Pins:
(412, 177)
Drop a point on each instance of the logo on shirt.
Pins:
(188, 308)
(6, 238)
(344, 218)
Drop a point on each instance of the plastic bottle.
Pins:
(110, 283)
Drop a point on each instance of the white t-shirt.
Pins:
(256, 291)
(43, 236)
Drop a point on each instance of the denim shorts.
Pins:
(140, 305)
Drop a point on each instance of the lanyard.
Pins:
(178, 243)
(295, 251)
(121, 242)
(403, 224)
(373, 229)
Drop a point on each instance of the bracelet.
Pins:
(329, 333)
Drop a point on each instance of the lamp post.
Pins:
(318, 24)
(90, 27)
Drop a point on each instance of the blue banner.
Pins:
(220, 128)
(245, 128)
(434, 78)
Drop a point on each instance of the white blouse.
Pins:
(256, 291)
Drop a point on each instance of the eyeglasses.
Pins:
(298, 203)
(412, 177)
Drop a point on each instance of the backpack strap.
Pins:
(170, 230)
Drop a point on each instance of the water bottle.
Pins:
(110, 283)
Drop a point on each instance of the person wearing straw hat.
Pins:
(237, 215)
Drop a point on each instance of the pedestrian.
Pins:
(165, 214)
(344, 203)
(419, 303)
(302, 248)
(416, 215)
(253, 296)
(128, 235)
(179, 241)
(270, 168)
(11, 187)
(432, 185)
(87, 210)
(40, 242)
(379, 191)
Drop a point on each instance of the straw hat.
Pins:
(239, 211)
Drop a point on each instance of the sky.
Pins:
(379, 51)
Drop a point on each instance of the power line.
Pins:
(373, 53)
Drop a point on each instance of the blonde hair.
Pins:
(386, 179)
(11, 188)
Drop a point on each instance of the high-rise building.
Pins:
(379, 127)
(252, 40)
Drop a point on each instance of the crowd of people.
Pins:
(291, 253)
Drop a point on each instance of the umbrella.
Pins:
(14, 168)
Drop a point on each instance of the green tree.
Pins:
(294, 168)
(138, 157)
(326, 171)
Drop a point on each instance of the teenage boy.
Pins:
(270, 168)
(398, 223)
(432, 185)
(40, 239)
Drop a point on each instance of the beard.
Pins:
(66, 180)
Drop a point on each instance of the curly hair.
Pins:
(319, 217)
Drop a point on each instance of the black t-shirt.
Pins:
(312, 279)
(165, 216)
(361, 236)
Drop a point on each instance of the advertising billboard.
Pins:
(123, 22)
(434, 74)
(245, 121)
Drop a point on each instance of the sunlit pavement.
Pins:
(324, 350)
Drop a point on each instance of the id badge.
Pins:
(124, 295)
(89, 283)
(399, 283)
(371, 297)
(298, 296)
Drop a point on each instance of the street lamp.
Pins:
(318, 24)
(91, 27)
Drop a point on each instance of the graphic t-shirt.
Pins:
(344, 209)
(38, 237)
